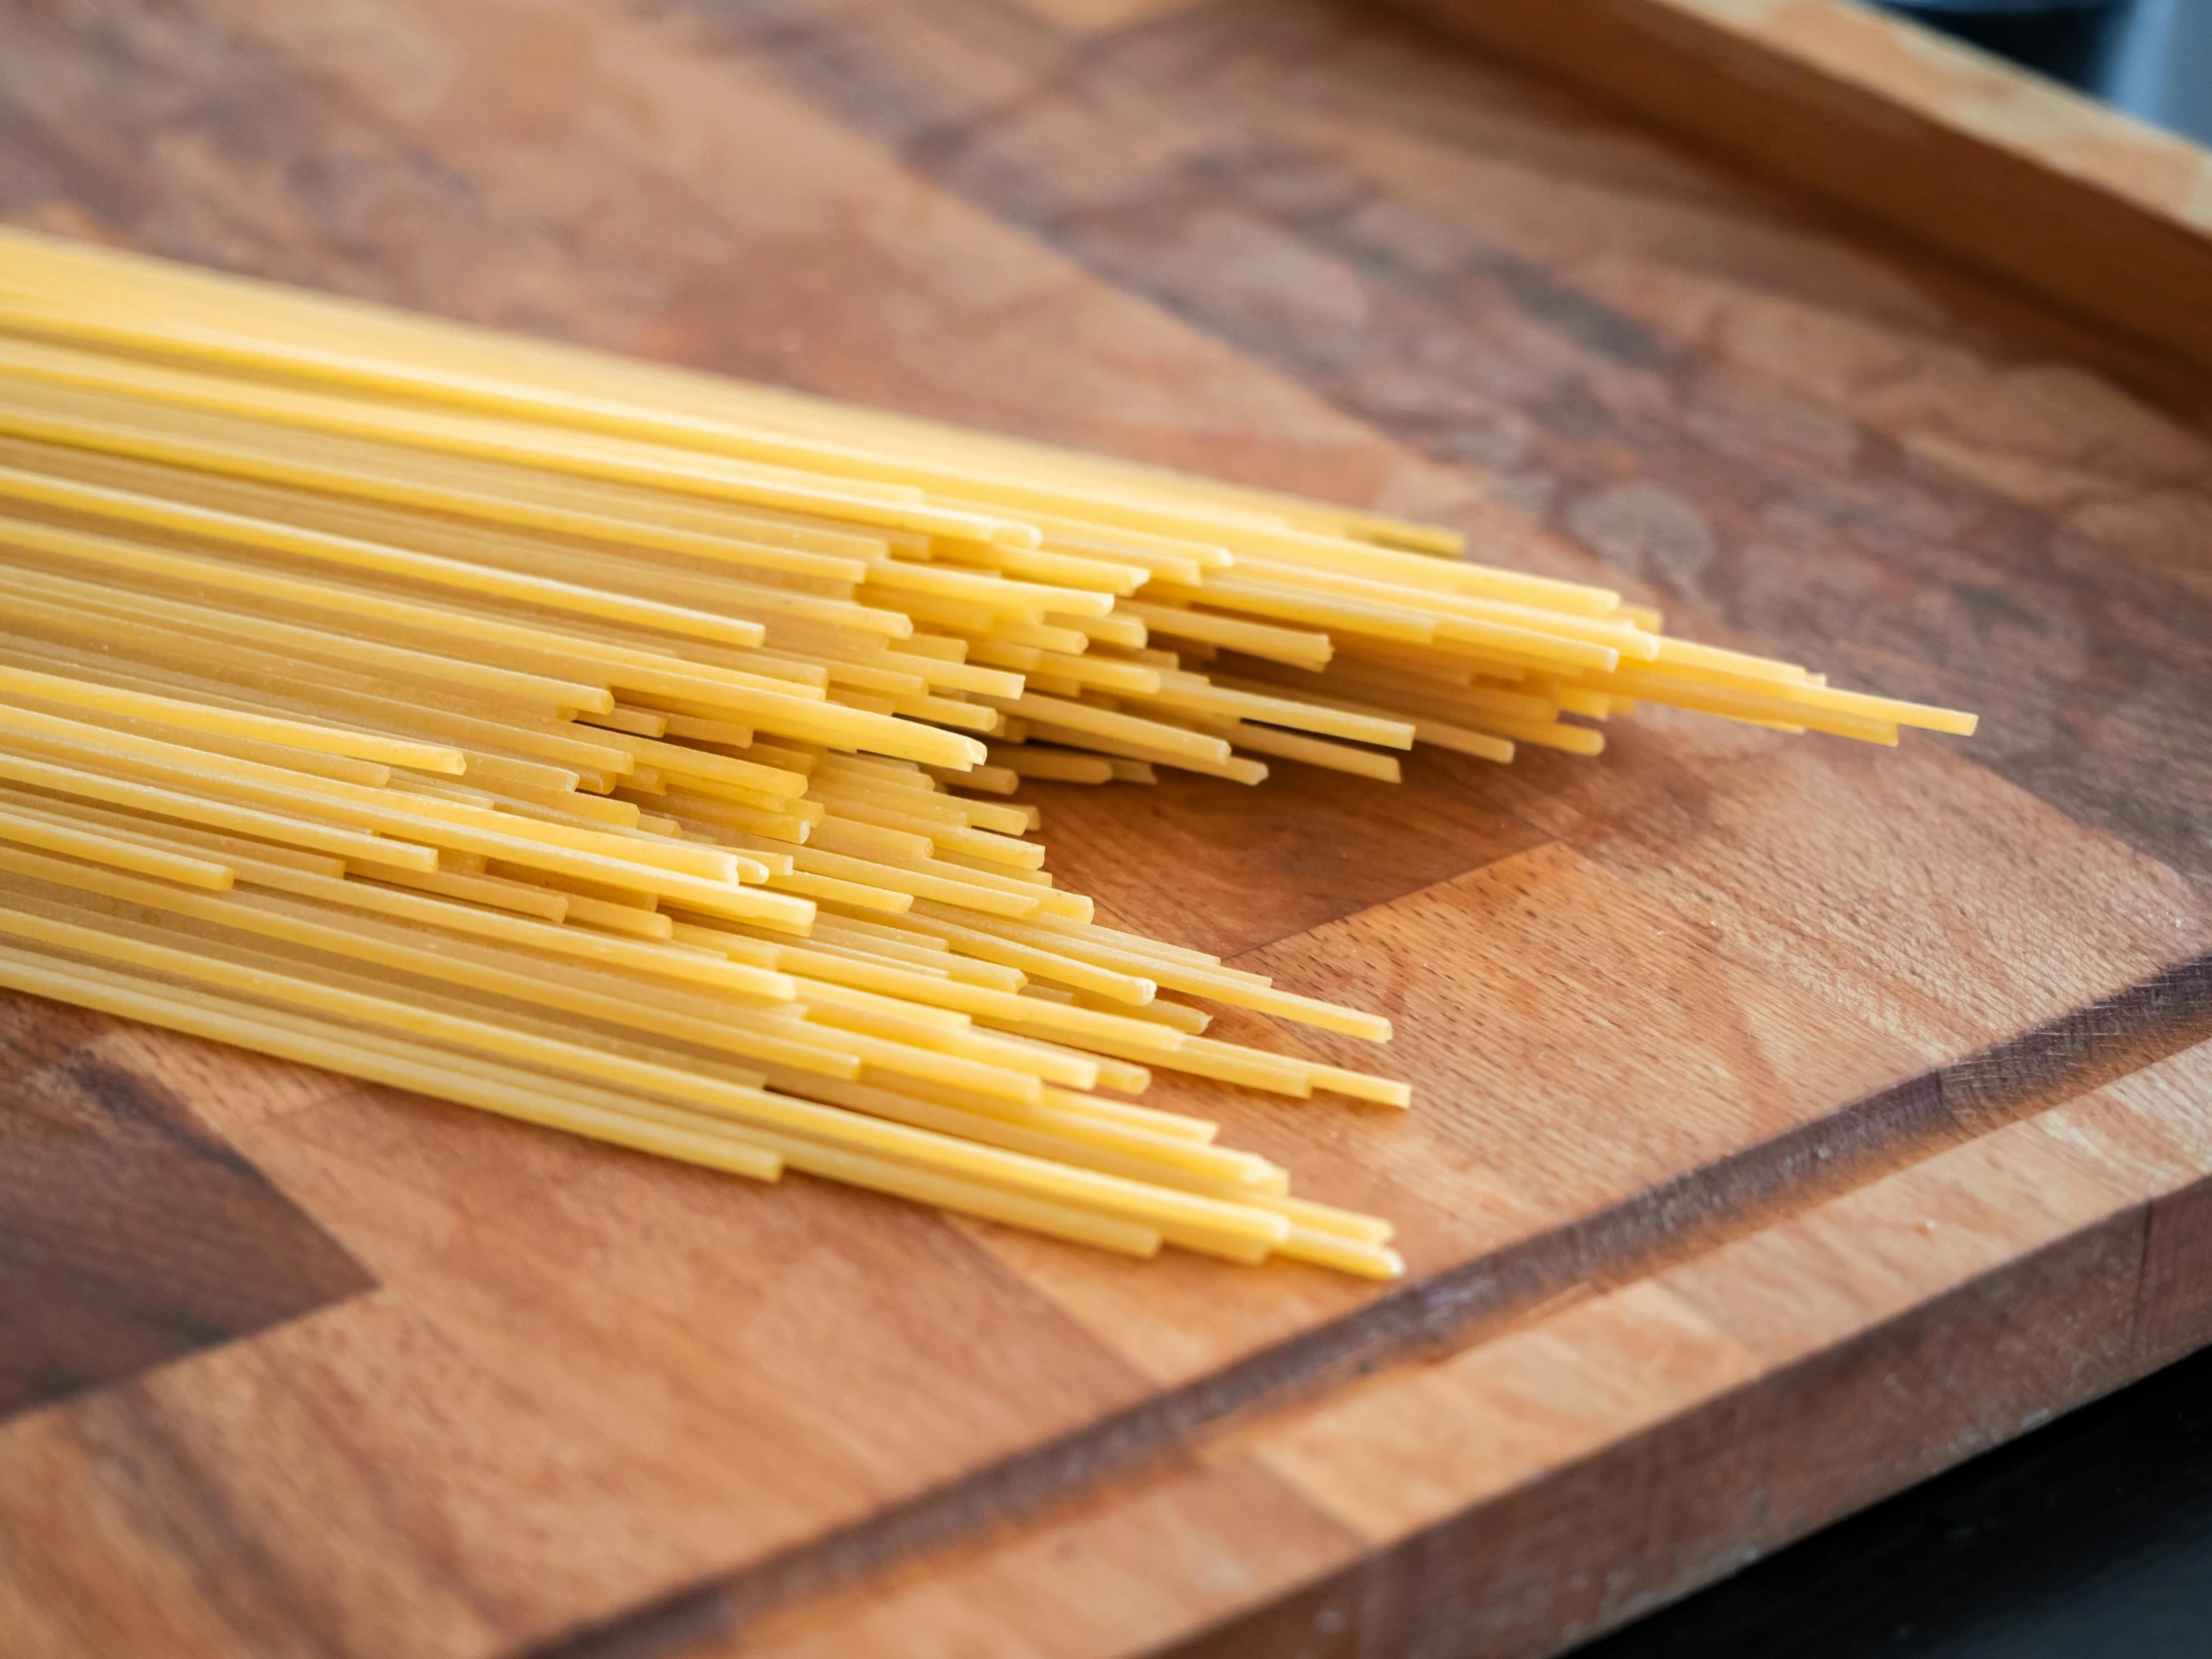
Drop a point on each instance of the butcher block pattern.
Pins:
(128, 1234)
(1793, 1118)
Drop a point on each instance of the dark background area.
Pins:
(2092, 1539)
(2151, 58)
(2088, 1540)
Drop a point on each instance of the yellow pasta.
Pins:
(119, 851)
(603, 746)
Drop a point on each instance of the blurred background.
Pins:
(2151, 58)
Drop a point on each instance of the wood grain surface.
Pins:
(129, 1234)
(2014, 172)
(1794, 1118)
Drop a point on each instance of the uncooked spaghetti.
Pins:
(628, 751)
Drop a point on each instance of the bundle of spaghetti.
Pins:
(336, 895)
(1336, 636)
(579, 732)
(315, 797)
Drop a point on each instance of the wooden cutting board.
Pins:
(1795, 1119)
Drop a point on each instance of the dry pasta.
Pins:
(626, 751)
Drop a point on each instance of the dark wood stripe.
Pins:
(1912, 1119)
(129, 1235)
(1460, 1587)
